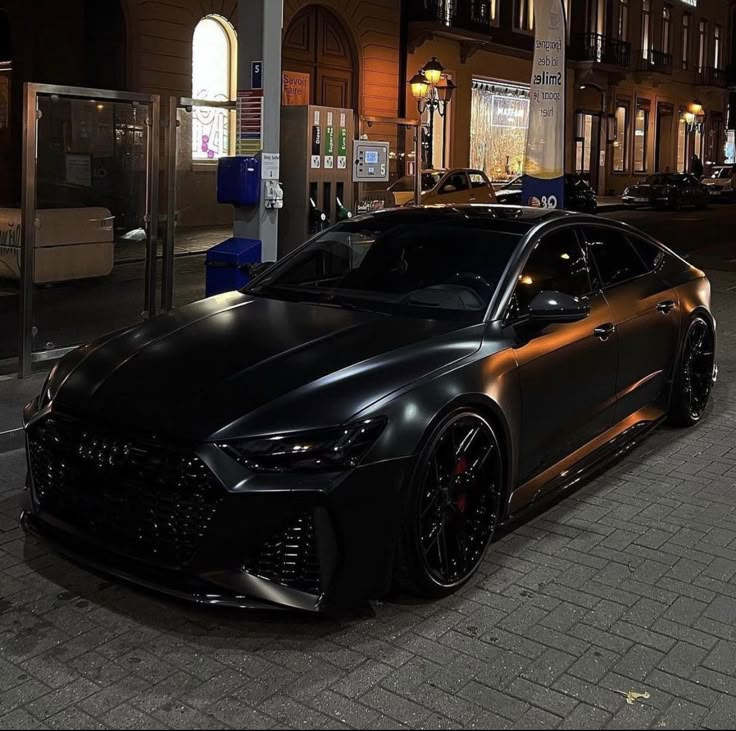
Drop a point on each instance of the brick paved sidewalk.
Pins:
(629, 584)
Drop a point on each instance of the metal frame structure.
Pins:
(172, 127)
(31, 115)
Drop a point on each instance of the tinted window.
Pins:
(406, 184)
(455, 183)
(651, 255)
(672, 179)
(477, 180)
(614, 256)
(558, 264)
(420, 267)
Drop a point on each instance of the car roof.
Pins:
(519, 219)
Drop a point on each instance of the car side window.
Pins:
(477, 180)
(615, 259)
(454, 183)
(558, 263)
(651, 255)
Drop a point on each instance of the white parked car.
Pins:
(721, 183)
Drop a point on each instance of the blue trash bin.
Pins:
(228, 265)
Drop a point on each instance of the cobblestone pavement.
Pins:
(629, 584)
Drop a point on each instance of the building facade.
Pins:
(646, 83)
(647, 79)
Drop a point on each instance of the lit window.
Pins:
(666, 29)
(214, 57)
(702, 31)
(717, 47)
(524, 15)
(623, 20)
(641, 139)
(646, 14)
(621, 143)
(686, 18)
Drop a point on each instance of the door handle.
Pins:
(605, 331)
(666, 307)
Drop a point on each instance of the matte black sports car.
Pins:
(668, 190)
(371, 409)
(579, 196)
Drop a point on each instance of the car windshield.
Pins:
(406, 184)
(433, 267)
(721, 173)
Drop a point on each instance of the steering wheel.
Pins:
(475, 281)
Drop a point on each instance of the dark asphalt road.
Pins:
(74, 313)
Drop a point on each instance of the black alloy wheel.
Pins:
(696, 375)
(454, 506)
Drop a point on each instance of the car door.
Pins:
(645, 311)
(567, 371)
(453, 188)
(481, 190)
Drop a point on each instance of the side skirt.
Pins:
(571, 472)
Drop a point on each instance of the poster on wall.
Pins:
(295, 89)
(544, 168)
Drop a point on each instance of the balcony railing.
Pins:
(473, 15)
(710, 76)
(598, 48)
(655, 61)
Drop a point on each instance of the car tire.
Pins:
(453, 506)
(676, 203)
(695, 375)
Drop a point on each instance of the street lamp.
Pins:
(695, 117)
(433, 92)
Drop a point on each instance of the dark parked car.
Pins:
(579, 196)
(668, 190)
(371, 409)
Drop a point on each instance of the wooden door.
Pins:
(317, 43)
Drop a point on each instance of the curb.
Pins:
(11, 440)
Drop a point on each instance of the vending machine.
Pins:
(316, 171)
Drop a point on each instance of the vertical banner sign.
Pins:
(544, 168)
(330, 142)
(316, 142)
(342, 144)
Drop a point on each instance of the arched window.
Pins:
(214, 62)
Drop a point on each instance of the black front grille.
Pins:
(138, 498)
(290, 558)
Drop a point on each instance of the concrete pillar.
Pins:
(259, 41)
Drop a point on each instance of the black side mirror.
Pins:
(255, 270)
(550, 306)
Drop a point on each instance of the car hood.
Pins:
(237, 365)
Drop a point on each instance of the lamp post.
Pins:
(433, 91)
(695, 117)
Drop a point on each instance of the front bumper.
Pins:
(634, 200)
(300, 542)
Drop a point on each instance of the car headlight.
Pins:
(326, 450)
(627, 191)
(44, 398)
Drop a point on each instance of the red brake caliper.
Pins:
(461, 501)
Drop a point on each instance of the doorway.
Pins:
(317, 43)
(665, 144)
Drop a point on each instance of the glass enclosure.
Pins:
(196, 222)
(88, 263)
